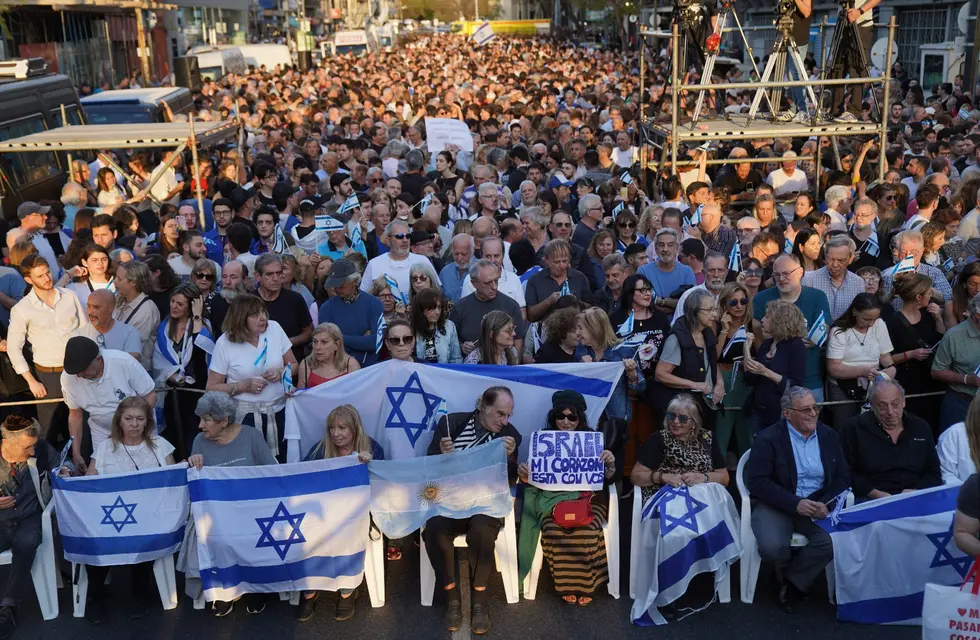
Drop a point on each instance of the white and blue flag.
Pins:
(379, 334)
(818, 332)
(483, 35)
(530, 272)
(735, 259)
(626, 179)
(395, 291)
(276, 528)
(119, 519)
(738, 337)
(565, 289)
(349, 204)
(398, 401)
(626, 329)
(696, 218)
(618, 209)
(684, 531)
(871, 246)
(788, 246)
(406, 493)
(906, 265)
(885, 551)
(357, 240)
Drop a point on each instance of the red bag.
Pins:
(569, 514)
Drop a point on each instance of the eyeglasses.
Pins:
(811, 410)
(399, 341)
(219, 212)
(642, 290)
(377, 180)
(626, 225)
(420, 277)
(753, 273)
(680, 417)
(784, 275)
(562, 225)
(399, 236)
(570, 417)
(204, 276)
(737, 302)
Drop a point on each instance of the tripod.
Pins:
(784, 48)
(843, 28)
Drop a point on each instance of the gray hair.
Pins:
(557, 246)
(420, 267)
(73, 194)
(396, 223)
(537, 216)
(835, 195)
(31, 431)
(495, 156)
(910, 236)
(587, 201)
(685, 401)
(395, 149)
(492, 239)
(479, 265)
(796, 391)
(614, 259)
(465, 237)
(840, 241)
(488, 189)
(973, 306)
(668, 231)
(692, 305)
(528, 182)
(265, 260)
(414, 160)
(216, 405)
(881, 383)
(139, 274)
(867, 202)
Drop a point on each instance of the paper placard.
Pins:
(442, 131)
(566, 460)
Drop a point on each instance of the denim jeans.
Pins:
(797, 94)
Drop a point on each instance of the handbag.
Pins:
(852, 389)
(569, 514)
(949, 610)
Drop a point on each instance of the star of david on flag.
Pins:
(110, 509)
(350, 204)
(292, 522)
(944, 558)
(413, 418)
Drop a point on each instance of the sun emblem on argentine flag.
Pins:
(430, 493)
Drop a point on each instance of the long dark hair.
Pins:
(629, 286)
(426, 300)
(493, 323)
(863, 302)
(802, 237)
(960, 296)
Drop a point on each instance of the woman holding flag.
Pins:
(776, 365)
(734, 325)
(392, 301)
(641, 326)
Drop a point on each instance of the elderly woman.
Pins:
(776, 366)
(436, 340)
(496, 343)
(959, 447)
(204, 276)
(399, 339)
(132, 446)
(422, 277)
(577, 556)
(457, 432)
(735, 320)
(328, 359)
(381, 290)
(248, 363)
(225, 442)
(345, 436)
(683, 453)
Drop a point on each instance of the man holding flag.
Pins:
(908, 257)
(557, 279)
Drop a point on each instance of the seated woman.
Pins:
(496, 343)
(775, 367)
(682, 453)
(132, 446)
(490, 420)
(959, 447)
(561, 327)
(223, 442)
(436, 340)
(577, 557)
(345, 436)
(328, 359)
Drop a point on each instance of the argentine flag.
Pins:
(120, 519)
(906, 265)
(405, 494)
(886, 550)
(685, 531)
(275, 528)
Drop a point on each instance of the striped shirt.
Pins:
(471, 436)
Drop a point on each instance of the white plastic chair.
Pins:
(505, 554)
(374, 573)
(610, 531)
(724, 586)
(751, 561)
(44, 571)
(163, 571)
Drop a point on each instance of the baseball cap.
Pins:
(29, 207)
(79, 354)
(339, 272)
(557, 181)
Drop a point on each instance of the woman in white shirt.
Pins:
(94, 273)
(110, 194)
(248, 363)
(132, 446)
(858, 350)
(959, 447)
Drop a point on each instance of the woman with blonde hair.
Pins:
(650, 222)
(959, 447)
(735, 320)
(602, 345)
(328, 360)
(778, 363)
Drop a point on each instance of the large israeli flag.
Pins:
(406, 493)
(279, 528)
(398, 401)
(685, 531)
(885, 551)
(120, 519)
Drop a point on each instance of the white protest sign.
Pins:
(566, 460)
(442, 131)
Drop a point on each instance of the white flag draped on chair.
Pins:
(685, 531)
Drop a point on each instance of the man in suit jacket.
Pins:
(795, 471)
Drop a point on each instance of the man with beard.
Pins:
(234, 282)
(715, 274)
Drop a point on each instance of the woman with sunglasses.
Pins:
(626, 232)
(683, 453)
(751, 276)
(422, 277)
(399, 339)
(602, 244)
(576, 556)
(381, 290)
(496, 343)
(777, 363)
(807, 247)
(734, 325)
(639, 322)
(204, 276)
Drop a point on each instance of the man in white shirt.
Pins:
(397, 262)
(787, 180)
(509, 283)
(838, 199)
(45, 317)
(97, 380)
(624, 155)
(916, 167)
(32, 220)
(167, 188)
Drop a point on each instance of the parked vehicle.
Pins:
(133, 106)
(215, 63)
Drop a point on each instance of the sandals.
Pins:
(570, 599)
(584, 601)
(393, 554)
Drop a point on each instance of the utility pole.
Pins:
(141, 43)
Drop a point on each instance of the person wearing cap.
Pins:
(422, 245)
(577, 556)
(354, 311)
(26, 464)
(337, 243)
(304, 233)
(95, 381)
(45, 317)
(788, 180)
(32, 220)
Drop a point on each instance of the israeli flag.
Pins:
(530, 272)
(735, 259)
(886, 550)
(870, 245)
(788, 246)
(626, 179)
(684, 531)
(565, 289)
(906, 265)
(738, 337)
(395, 291)
(398, 400)
(818, 332)
(483, 35)
(696, 218)
(947, 265)
(275, 528)
(357, 241)
(626, 329)
(120, 519)
(406, 493)
(349, 204)
(618, 209)
(425, 202)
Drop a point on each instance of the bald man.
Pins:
(104, 330)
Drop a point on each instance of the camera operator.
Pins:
(848, 59)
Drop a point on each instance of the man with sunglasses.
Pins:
(787, 498)
(397, 262)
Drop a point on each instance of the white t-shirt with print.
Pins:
(239, 361)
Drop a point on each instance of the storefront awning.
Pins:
(121, 136)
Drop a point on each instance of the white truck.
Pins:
(357, 42)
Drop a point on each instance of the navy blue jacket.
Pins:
(770, 473)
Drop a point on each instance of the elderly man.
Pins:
(591, 212)
(864, 234)
(285, 306)
(509, 283)
(74, 196)
(796, 469)
(666, 274)
(397, 262)
(525, 196)
(742, 179)
(26, 462)
(788, 275)
(608, 296)
(838, 199)
(489, 201)
(788, 180)
(889, 450)
(468, 313)
(714, 236)
(96, 381)
(747, 229)
(135, 308)
(909, 243)
(105, 330)
(838, 284)
(481, 174)
(454, 274)
(234, 282)
(355, 312)
(956, 364)
(715, 275)
(556, 279)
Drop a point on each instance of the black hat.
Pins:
(79, 354)
(339, 272)
(309, 204)
(568, 398)
(419, 236)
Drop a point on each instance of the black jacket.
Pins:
(770, 473)
(692, 361)
(454, 424)
(878, 463)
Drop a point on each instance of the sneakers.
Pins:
(306, 608)
(453, 617)
(345, 607)
(785, 116)
(220, 608)
(846, 118)
(8, 621)
(96, 611)
(801, 117)
(255, 604)
(480, 620)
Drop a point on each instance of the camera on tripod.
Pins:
(786, 7)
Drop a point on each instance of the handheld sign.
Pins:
(566, 460)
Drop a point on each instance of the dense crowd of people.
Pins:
(737, 299)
